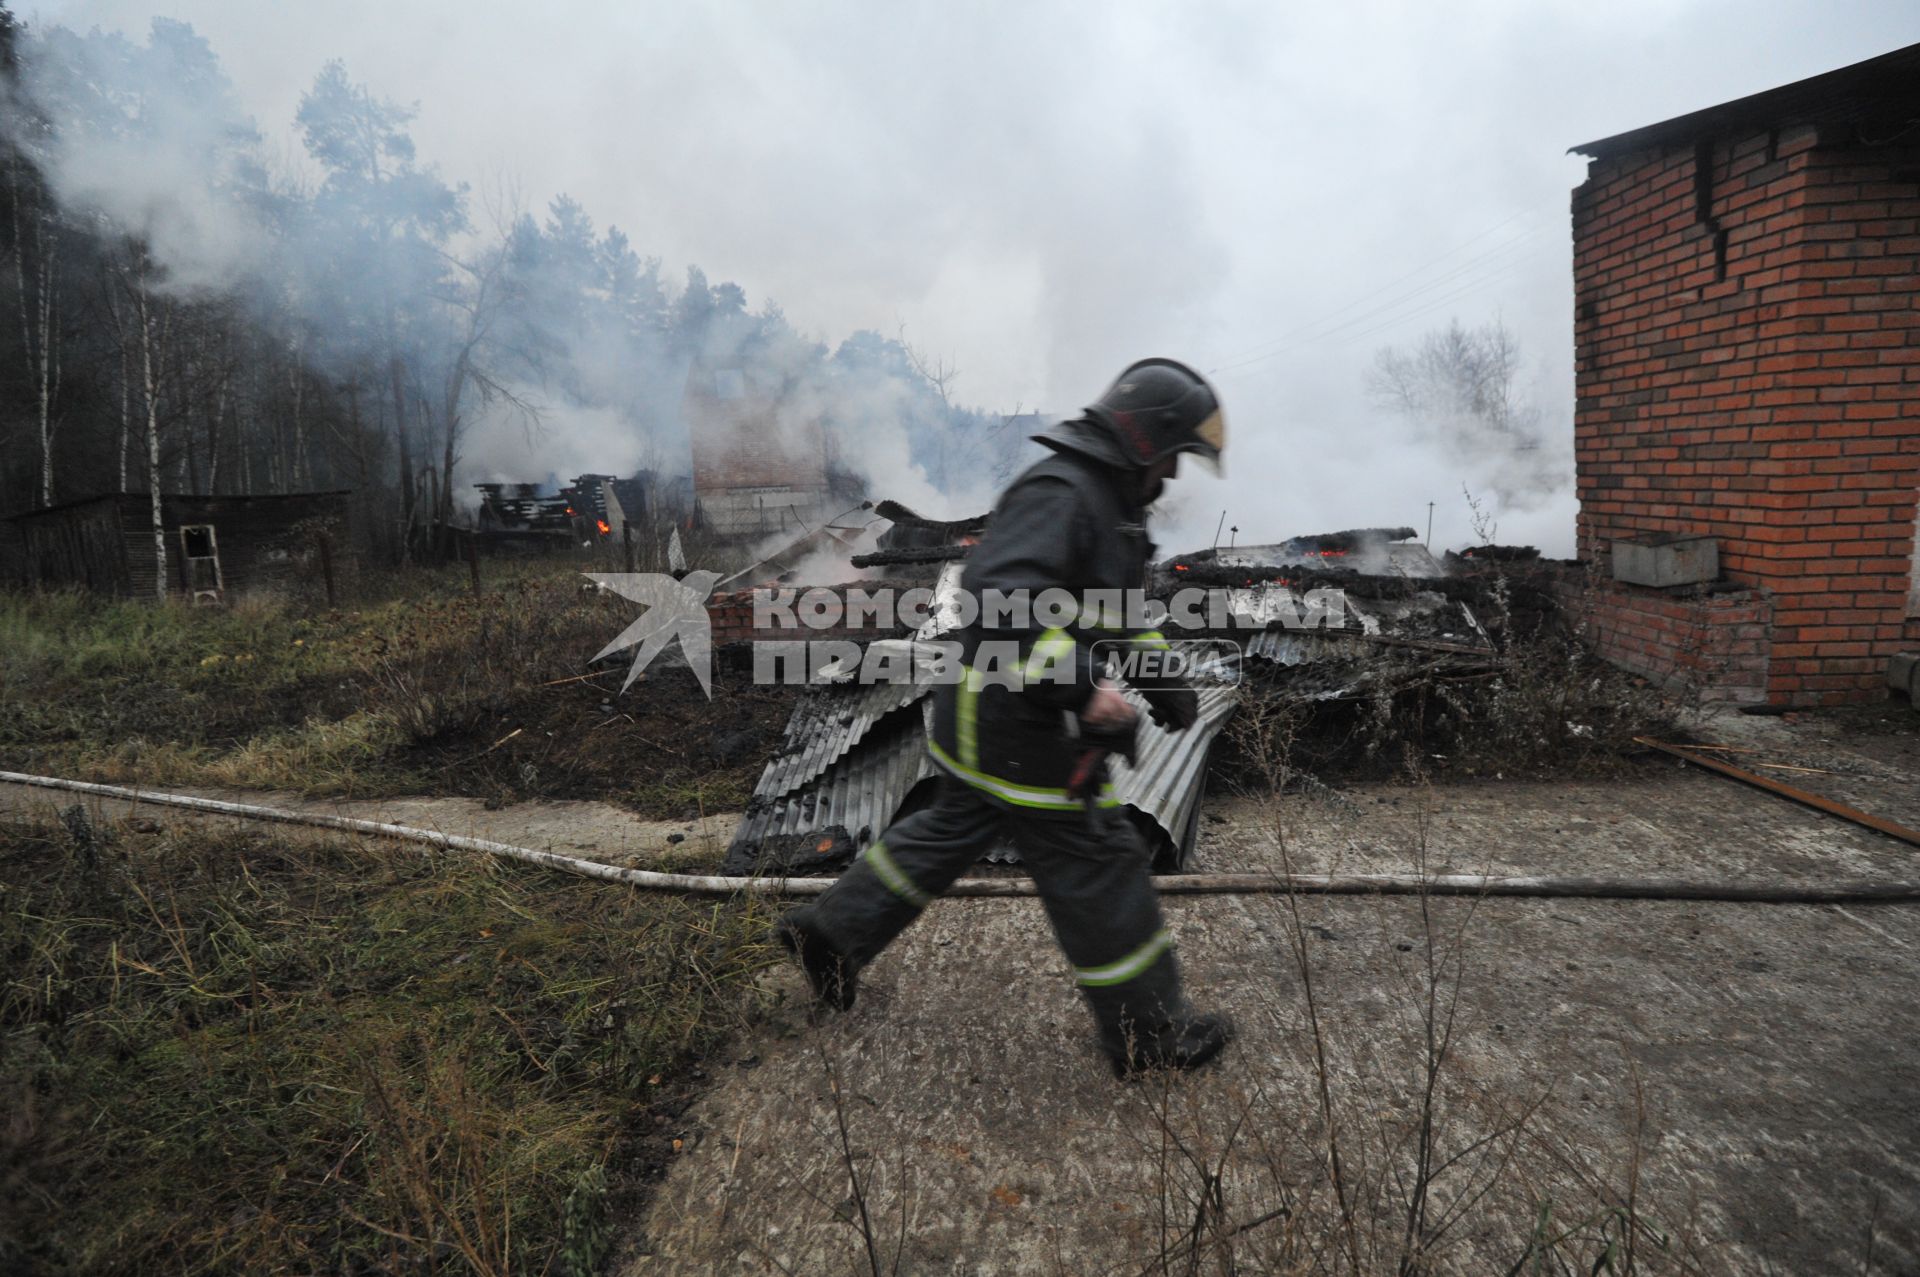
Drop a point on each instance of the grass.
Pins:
(229, 1052)
(418, 687)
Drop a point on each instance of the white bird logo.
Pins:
(674, 608)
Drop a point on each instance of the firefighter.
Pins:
(1016, 752)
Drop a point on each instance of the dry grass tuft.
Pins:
(228, 1052)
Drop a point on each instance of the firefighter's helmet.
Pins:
(1159, 407)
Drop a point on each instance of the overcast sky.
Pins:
(1042, 192)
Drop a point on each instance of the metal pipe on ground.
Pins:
(1819, 802)
(1538, 887)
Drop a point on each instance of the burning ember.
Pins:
(605, 528)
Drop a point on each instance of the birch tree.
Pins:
(36, 252)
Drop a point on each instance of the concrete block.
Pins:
(1662, 561)
(1903, 675)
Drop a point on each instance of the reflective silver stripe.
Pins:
(894, 877)
(1127, 968)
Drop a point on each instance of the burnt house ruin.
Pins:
(763, 460)
(217, 547)
(1748, 374)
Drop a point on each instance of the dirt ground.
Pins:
(1735, 1080)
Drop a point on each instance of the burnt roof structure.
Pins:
(1880, 93)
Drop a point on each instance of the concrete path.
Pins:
(1725, 1088)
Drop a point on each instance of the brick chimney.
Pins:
(1748, 368)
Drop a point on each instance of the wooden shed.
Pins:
(216, 547)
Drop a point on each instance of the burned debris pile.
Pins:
(1327, 625)
(911, 539)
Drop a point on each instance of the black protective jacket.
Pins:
(1073, 523)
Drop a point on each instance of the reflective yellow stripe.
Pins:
(894, 876)
(1153, 638)
(967, 717)
(1051, 647)
(1019, 795)
(1134, 964)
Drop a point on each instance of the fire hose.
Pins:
(1536, 886)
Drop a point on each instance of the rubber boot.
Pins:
(833, 977)
(1184, 1046)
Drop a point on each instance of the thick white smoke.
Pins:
(151, 140)
(1045, 195)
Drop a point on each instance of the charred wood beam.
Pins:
(912, 554)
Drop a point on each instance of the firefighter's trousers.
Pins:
(1091, 868)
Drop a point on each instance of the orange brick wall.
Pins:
(1748, 367)
(1716, 643)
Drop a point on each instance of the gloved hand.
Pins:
(1174, 708)
(1094, 742)
(1106, 708)
(1122, 739)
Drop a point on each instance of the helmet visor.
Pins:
(1213, 433)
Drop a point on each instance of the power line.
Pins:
(1495, 262)
(1386, 287)
(1447, 299)
(1252, 353)
(1437, 303)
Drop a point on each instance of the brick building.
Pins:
(764, 460)
(1748, 370)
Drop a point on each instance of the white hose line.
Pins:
(1174, 884)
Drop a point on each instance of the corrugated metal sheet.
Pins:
(859, 762)
(832, 719)
(826, 723)
(1165, 782)
(860, 793)
(1304, 647)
